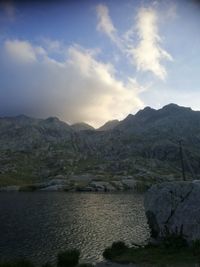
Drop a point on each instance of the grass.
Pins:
(68, 258)
(155, 255)
(173, 251)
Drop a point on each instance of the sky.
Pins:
(94, 61)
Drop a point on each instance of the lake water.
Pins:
(39, 225)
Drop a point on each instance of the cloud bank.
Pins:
(80, 88)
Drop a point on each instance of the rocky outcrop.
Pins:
(174, 208)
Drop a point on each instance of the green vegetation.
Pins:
(173, 250)
(68, 258)
(47, 265)
(85, 265)
(117, 248)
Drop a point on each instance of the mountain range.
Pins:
(145, 146)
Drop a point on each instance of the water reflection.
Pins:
(38, 225)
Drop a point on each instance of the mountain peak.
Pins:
(109, 125)
(146, 112)
(174, 107)
(52, 119)
(171, 106)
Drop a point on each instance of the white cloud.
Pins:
(148, 54)
(105, 24)
(23, 51)
(81, 88)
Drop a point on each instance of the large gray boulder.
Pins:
(174, 207)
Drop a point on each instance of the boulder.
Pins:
(174, 208)
(58, 187)
(129, 183)
(102, 186)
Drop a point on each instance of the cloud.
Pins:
(23, 51)
(148, 54)
(105, 24)
(80, 88)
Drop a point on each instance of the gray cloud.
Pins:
(81, 88)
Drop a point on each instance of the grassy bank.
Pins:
(69, 258)
(174, 251)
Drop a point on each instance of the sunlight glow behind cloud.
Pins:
(81, 88)
(97, 61)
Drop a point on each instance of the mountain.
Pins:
(81, 127)
(21, 131)
(110, 125)
(144, 146)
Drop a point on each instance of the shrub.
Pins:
(119, 245)
(196, 247)
(47, 265)
(107, 254)
(85, 265)
(117, 248)
(174, 241)
(68, 258)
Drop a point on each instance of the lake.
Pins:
(39, 225)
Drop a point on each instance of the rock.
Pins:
(129, 183)
(98, 186)
(55, 188)
(102, 186)
(86, 189)
(113, 264)
(82, 177)
(57, 182)
(174, 207)
(118, 185)
(60, 177)
(12, 188)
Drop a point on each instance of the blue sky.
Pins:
(95, 61)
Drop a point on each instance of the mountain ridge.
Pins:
(144, 146)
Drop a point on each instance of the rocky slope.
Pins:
(81, 127)
(144, 146)
(110, 125)
(174, 209)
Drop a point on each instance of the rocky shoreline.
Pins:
(81, 183)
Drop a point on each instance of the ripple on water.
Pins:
(39, 225)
